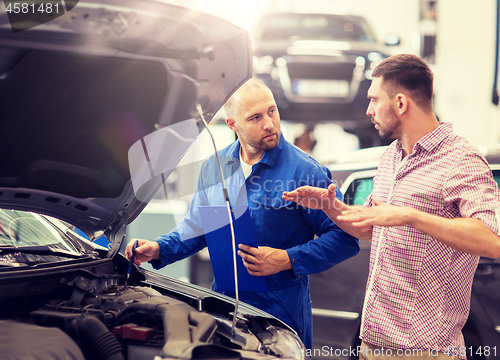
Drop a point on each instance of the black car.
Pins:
(338, 294)
(97, 106)
(319, 68)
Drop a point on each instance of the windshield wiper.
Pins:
(39, 250)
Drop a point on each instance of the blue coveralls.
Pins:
(278, 224)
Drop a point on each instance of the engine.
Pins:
(125, 322)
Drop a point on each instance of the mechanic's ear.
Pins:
(231, 123)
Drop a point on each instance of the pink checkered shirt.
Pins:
(418, 290)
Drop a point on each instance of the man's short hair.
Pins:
(231, 105)
(407, 72)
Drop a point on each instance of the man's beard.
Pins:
(392, 124)
(270, 145)
(265, 145)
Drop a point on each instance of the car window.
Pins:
(359, 190)
(21, 228)
(318, 27)
(496, 175)
(364, 188)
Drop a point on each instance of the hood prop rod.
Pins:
(228, 206)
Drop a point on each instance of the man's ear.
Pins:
(402, 103)
(231, 123)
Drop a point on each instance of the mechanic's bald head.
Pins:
(232, 105)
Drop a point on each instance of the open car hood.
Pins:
(85, 97)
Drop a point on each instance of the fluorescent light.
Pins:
(335, 314)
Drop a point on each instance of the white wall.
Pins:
(465, 68)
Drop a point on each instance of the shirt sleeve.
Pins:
(471, 188)
(331, 247)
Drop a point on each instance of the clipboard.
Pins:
(215, 223)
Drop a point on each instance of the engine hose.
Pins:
(97, 339)
(137, 311)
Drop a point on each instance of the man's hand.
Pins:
(326, 200)
(145, 251)
(263, 261)
(312, 197)
(381, 214)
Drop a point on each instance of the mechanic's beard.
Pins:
(270, 145)
(261, 144)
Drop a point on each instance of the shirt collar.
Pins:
(431, 140)
(234, 149)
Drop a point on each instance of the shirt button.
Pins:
(298, 276)
(293, 260)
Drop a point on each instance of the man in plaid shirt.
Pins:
(434, 210)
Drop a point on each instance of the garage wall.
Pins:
(465, 68)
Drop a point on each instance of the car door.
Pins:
(482, 330)
(337, 294)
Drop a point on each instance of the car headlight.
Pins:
(290, 346)
(263, 64)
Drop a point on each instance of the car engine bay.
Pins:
(83, 315)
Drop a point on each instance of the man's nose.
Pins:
(268, 123)
(369, 109)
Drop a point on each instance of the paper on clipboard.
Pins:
(215, 223)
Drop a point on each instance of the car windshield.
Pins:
(318, 27)
(21, 229)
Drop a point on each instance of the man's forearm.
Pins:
(468, 235)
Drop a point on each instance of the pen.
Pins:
(132, 258)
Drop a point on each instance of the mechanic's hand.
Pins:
(264, 260)
(312, 197)
(145, 251)
(382, 214)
